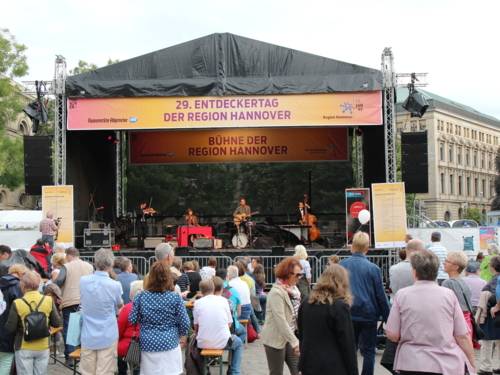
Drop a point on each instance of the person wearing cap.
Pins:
(437, 248)
(475, 283)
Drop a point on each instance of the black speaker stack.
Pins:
(414, 162)
(37, 163)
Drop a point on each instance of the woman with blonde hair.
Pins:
(325, 327)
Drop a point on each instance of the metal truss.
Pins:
(58, 88)
(389, 87)
(359, 165)
(121, 158)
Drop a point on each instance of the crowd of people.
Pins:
(437, 307)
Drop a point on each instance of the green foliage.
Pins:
(474, 214)
(214, 189)
(11, 162)
(111, 61)
(12, 65)
(82, 67)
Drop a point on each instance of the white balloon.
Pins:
(364, 216)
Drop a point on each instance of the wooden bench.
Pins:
(244, 323)
(53, 342)
(215, 354)
(75, 356)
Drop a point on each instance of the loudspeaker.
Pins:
(414, 163)
(277, 250)
(37, 163)
(203, 243)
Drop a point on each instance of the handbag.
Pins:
(134, 352)
(389, 355)
(477, 332)
(74, 334)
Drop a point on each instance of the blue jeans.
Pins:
(365, 334)
(49, 239)
(237, 353)
(246, 311)
(241, 332)
(65, 313)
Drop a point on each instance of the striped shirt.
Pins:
(441, 253)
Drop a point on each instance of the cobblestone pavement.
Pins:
(254, 363)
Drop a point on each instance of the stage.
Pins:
(201, 124)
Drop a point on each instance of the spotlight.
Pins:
(416, 104)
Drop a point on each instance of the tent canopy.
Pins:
(220, 65)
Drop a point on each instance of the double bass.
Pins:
(312, 221)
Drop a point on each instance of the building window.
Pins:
(459, 155)
(450, 154)
(422, 124)
(460, 213)
(460, 192)
(490, 162)
(441, 151)
(468, 186)
(452, 185)
(475, 159)
(467, 157)
(447, 216)
(483, 188)
(476, 188)
(483, 158)
(442, 184)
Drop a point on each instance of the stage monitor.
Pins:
(414, 162)
(37, 163)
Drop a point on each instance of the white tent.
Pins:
(19, 229)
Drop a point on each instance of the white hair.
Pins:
(136, 287)
(300, 252)
(232, 272)
(103, 259)
(163, 250)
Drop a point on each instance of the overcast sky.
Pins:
(456, 42)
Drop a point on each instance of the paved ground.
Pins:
(254, 363)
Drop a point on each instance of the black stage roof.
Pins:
(223, 64)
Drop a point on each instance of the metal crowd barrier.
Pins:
(222, 261)
(269, 262)
(384, 261)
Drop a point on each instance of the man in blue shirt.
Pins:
(126, 277)
(369, 299)
(100, 299)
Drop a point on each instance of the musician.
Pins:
(243, 210)
(142, 214)
(190, 218)
(301, 212)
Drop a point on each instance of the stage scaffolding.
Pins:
(60, 121)
(389, 85)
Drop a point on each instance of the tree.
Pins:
(474, 214)
(82, 67)
(12, 65)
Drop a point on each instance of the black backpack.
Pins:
(35, 323)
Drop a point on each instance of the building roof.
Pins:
(439, 102)
(223, 64)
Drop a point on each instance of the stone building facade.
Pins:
(462, 144)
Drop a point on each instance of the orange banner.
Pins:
(336, 109)
(238, 145)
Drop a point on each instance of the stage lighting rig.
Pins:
(416, 103)
(37, 110)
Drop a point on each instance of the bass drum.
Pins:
(240, 241)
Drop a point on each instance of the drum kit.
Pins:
(241, 239)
